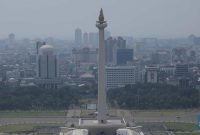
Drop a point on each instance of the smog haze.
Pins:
(137, 18)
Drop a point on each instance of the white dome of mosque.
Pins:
(46, 49)
(12, 80)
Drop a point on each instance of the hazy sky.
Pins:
(138, 18)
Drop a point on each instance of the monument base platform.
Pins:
(96, 128)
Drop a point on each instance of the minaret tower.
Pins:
(102, 108)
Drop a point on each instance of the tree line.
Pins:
(153, 96)
(34, 98)
(138, 96)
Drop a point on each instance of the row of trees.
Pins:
(34, 98)
(153, 96)
(138, 96)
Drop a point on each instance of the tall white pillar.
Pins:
(102, 108)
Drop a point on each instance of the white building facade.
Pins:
(151, 74)
(119, 76)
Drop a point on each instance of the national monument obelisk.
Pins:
(102, 108)
(103, 125)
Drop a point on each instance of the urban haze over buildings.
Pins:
(53, 58)
(50, 18)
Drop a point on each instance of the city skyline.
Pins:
(99, 84)
(155, 18)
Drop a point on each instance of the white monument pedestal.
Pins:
(96, 128)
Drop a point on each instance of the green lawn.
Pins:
(170, 125)
(22, 127)
(136, 113)
(187, 133)
(174, 126)
(181, 126)
(14, 114)
(160, 112)
(17, 128)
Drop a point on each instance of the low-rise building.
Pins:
(151, 74)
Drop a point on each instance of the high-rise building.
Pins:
(11, 40)
(112, 45)
(11, 37)
(84, 55)
(109, 44)
(47, 62)
(38, 45)
(129, 41)
(119, 76)
(179, 55)
(107, 34)
(78, 36)
(47, 65)
(140, 48)
(121, 43)
(93, 38)
(161, 57)
(124, 56)
(85, 38)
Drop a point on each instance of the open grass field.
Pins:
(155, 113)
(187, 133)
(177, 128)
(18, 114)
(16, 128)
(161, 112)
(134, 113)
(181, 126)
(22, 127)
